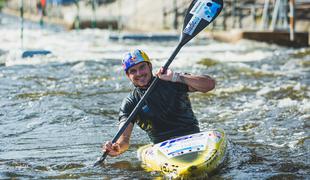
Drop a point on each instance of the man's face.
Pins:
(140, 74)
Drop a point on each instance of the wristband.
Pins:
(175, 77)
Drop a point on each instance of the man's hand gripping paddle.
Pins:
(198, 16)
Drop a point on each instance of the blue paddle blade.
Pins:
(198, 16)
(31, 53)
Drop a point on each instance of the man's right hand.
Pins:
(112, 149)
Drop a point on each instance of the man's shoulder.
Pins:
(132, 96)
(173, 85)
(163, 83)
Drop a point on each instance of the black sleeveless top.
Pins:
(165, 114)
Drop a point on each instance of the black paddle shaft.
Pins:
(21, 10)
(199, 15)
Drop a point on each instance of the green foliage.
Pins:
(2, 4)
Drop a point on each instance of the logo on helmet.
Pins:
(133, 58)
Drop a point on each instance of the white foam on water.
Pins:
(229, 56)
(238, 87)
(293, 67)
(70, 46)
(287, 102)
(254, 104)
(292, 141)
(34, 123)
(93, 44)
(278, 145)
(263, 91)
(305, 106)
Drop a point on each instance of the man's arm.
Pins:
(122, 143)
(201, 83)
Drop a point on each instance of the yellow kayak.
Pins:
(190, 156)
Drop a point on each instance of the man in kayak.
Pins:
(167, 112)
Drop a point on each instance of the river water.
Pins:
(57, 110)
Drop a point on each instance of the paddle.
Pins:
(198, 16)
(21, 10)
